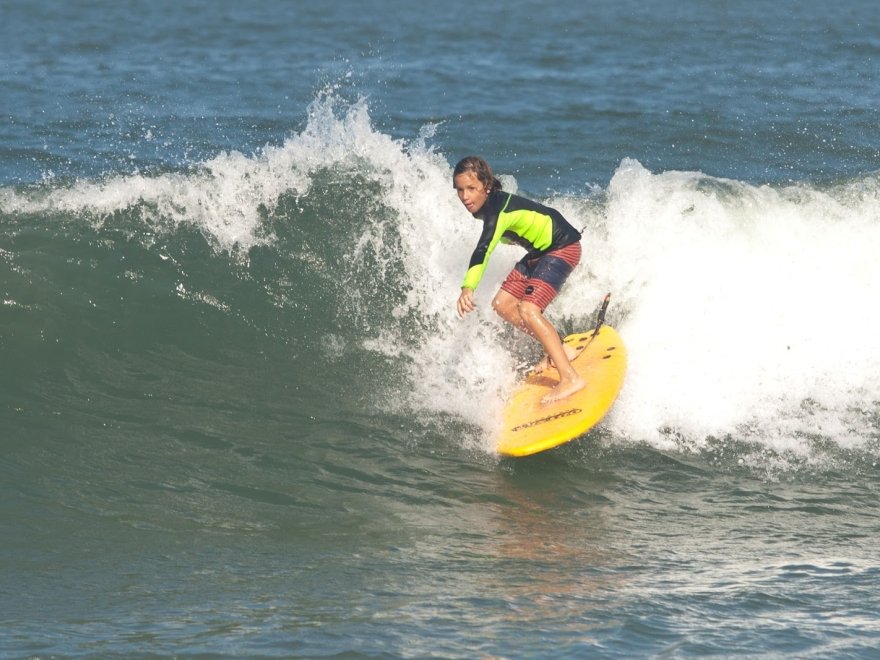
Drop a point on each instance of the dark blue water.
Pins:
(238, 413)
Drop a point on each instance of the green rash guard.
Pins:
(514, 219)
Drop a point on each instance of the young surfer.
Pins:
(553, 250)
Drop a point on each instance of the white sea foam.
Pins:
(748, 309)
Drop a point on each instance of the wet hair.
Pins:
(480, 169)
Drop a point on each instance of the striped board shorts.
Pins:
(539, 280)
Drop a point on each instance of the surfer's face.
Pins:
(471, 191)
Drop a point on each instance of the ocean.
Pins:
(239, 415)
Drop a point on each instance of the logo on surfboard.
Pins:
(544, 420)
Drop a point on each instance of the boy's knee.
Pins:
(502, 307)
(528, 312)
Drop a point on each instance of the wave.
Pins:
(747, 310)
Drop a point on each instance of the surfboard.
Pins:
(530, 426)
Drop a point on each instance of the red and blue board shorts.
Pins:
(539, 280)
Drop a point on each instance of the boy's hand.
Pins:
(465, 302)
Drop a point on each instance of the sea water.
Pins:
(239, 415)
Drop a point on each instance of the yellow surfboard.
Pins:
(530, 426)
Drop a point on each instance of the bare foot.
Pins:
(570, 352)
(563, 390)
(543, 365)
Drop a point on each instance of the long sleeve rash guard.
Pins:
(511, 218)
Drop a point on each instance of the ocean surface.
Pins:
(240, 417)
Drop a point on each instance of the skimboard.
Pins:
(530, 426)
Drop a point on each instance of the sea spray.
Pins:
(740, 304)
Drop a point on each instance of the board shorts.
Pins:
(539, 280)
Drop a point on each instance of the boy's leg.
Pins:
(527, 316)
(538, 326)
(506, 305)
(521, 301)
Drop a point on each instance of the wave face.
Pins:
(339, 252)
